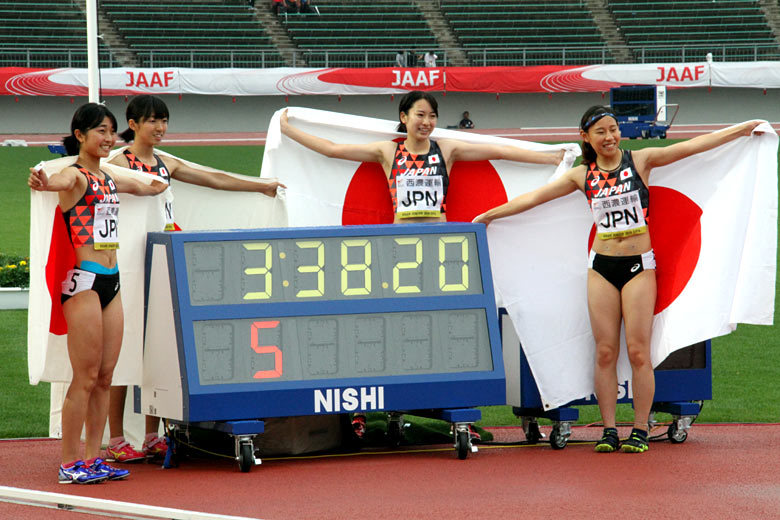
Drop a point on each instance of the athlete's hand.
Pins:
(559, 155)
(482, 219)
(38, 180)
(157, 187)
(271, 186)
(284, 122)
(749, 126)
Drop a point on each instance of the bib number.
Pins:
(419, 196)
(105, 228)
(77, 280)
(618, 216)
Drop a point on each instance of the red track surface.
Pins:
(719, 472)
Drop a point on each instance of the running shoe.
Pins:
(80, 473)
(609, 441)
(359, 426)
(636, 442)
(156, 448)
(99, 466)
(123, 452)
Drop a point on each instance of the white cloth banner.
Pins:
(195, 208)
(714, 225)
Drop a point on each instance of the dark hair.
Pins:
(409, 99)
(143, 107)
(589, 118)
(87, 117)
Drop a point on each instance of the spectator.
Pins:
(430, 59)
(279, 6)
(400, 59)
(411, 59)
(466, 122)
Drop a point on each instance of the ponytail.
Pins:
(128, 135)
(71, 144)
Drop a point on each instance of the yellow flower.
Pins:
(22, 263)
(12, 266)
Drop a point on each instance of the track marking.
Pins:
(104, 507)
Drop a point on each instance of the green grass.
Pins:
(746, 373)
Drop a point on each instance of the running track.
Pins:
(721, 471)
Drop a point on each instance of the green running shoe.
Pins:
(636, 442)
(609, 441)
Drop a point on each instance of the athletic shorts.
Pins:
(619, 270)
(91, 276)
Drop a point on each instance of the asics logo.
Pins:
(635, 268)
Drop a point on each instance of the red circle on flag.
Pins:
(474, 188)
(675, 232)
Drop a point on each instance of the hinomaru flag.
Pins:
(331, 192)
(52, 255)
(714, 232)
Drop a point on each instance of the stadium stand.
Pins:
(493, 31)
(357, 32)
(730, 29)
(29, 30)
(192, 34)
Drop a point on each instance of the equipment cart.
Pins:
(249, 324)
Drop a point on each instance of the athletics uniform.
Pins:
(159, 170)
(418, 183)
(92, 221)
(619, 201)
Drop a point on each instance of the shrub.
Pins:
(14, 271)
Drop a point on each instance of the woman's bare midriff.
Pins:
(623, 246)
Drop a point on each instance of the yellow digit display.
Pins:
(464, 257)
(347, 267)
(264, 271)
(320, 290)
(418, 256)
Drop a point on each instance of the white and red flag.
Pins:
(714, 231)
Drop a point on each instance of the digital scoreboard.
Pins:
(251, 324)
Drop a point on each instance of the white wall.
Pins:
(251, 114)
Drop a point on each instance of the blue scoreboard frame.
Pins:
(208, 294)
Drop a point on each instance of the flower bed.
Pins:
(14, 271)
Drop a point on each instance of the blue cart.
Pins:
(642, 111)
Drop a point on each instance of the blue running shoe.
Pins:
(80, 473)
(111, 473)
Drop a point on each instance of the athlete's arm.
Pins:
(463, 151)
(649, 158)
(560, 187)
(65, 180)
(221, 181)
(136, 187)
(379, 151)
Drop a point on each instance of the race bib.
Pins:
(77, 280)
(105, 228)
(618, 216)
(419, 196)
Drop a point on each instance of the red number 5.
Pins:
(267, 349)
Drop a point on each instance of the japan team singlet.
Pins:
(159, 170)
(418, 183)
(93, 220)
(619, 200)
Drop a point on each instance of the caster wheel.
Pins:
(676, 435)
(532, 433)
(246, 458)
(557, 440)
(462, 444)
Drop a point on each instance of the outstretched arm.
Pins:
(136, 187)
(463, 151)
(221, 181)
(369, 152)
(652, 157)
(560, 187)
(63, 181)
